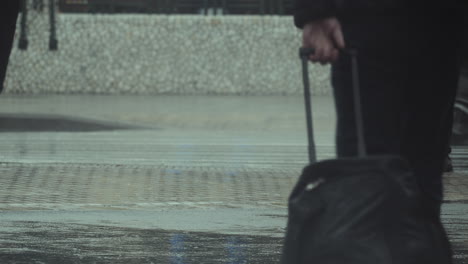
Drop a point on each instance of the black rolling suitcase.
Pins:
(363, 210)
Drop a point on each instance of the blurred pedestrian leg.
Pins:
(8, 16)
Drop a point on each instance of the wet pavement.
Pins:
(78, 244)
(166, 179)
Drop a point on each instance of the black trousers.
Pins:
(408, 73)
(8, 15)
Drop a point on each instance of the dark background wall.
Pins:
(234, 7)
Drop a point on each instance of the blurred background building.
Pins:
(234, 7)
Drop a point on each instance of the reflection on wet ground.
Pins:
(72, 243)
(55, 123)
(75, 243)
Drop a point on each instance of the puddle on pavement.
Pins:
(52, 123)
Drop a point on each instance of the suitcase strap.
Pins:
(304, 54)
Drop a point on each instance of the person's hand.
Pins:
(325, 37)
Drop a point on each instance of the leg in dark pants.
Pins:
(8, 16)
(460, 126)
(408, 87)
(408, 91)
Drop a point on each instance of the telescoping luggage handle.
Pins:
(304, 54)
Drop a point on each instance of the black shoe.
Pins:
(448, 166)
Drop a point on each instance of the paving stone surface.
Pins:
(163, 179)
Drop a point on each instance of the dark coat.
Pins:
(309, 10)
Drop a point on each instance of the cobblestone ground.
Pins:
(56, 186)
(162, 180)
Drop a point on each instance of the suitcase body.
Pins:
(359, 211)
(363, 210)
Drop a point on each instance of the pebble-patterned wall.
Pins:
(158, 54)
